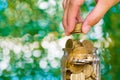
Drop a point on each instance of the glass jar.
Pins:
(80, 66)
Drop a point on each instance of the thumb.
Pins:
(96, 14)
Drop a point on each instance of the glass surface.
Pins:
(81, 67)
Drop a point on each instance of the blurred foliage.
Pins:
(23, 25)
(31, 34)
(112, 26)
(25, 17)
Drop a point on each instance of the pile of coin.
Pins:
(78, 28)
(79, 63)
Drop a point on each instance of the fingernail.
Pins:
(86, 28)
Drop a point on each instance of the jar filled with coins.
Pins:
(80, 61)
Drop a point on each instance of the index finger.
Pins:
(73, 13)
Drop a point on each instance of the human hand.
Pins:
(72, 14)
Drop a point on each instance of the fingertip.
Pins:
(86, 28)
(70, 29)
(67, 34)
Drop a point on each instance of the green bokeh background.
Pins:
(30, 29)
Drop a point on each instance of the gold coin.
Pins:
(74, 58)
(89, 78)
(69, 59)
(76, 43)
(78, 28)
(80, 50)
(68, 50)
(74, 77)
(76, 68)
(68, 73)
(79, 56)
(88, 45)
(88, 70)
(90, 57)
(79, 76)
(94, 75)
(82, 76)
(69, 43)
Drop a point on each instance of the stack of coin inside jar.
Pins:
(80, 62)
